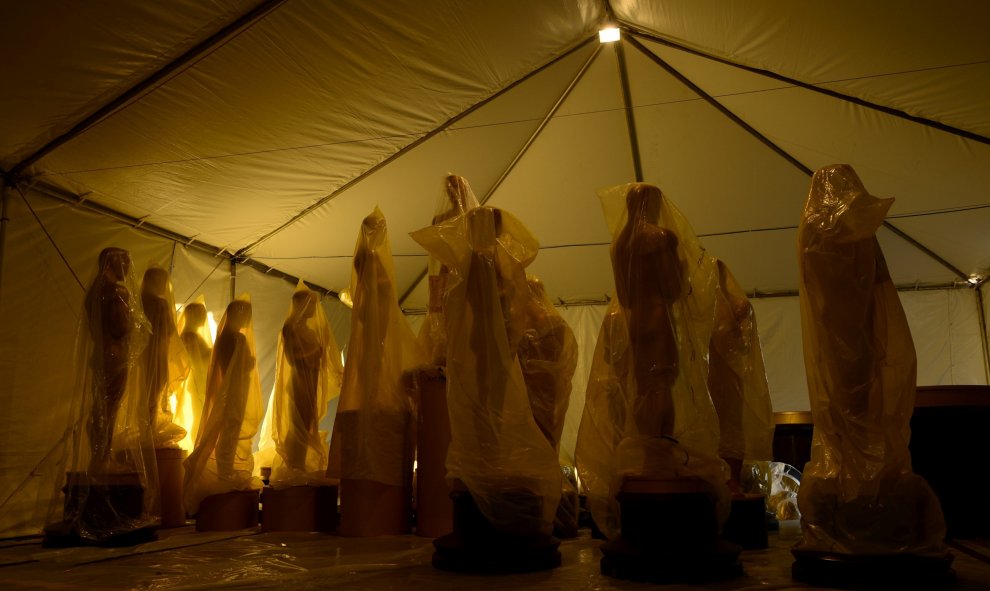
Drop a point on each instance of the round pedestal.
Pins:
(228, 511)
(299, 508)
(669, 533)
(476, 546)
(434, 511)
(170, 475)
(747, 522)
(902, 571)
(369, 508)
(101, 510)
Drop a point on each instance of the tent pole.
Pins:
(5, 197)
(780, 151)
(633, 30)
(983, 331)
(620, 57)
(233, 278)
(522, 151)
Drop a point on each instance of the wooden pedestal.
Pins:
(434, 511)
(669, 534)
(228, 511)
(299, 508)
(101, 510)
(170, 475)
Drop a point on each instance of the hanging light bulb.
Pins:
(609, 33)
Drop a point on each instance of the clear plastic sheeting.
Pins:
(194, 331)
(647, 411)
(221, 461)
(165, 363)
(248, 561)
(737, 380)
(373, 431)
(548, 356)
(106, 480)
(496, 449)
(307, 376)
(859, 494)
(457, 198)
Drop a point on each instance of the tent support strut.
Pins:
(620, 57)
(780, 151)
(519, 155)
(983, 331)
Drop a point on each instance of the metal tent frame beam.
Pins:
(777, 149)
(149, 84)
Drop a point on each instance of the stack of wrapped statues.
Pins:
(457, 433)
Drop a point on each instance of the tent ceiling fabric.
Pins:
(329, 108)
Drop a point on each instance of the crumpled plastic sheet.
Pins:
(222, 460)
(247, 560)
(108, 441)
(859, 493)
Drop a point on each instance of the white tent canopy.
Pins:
(245, 141)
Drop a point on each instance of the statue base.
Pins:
(101, 510)
(747, 523)
(883, 571)
(433, 506)
(228, 511)
(170, 476)
(299, 508)
(476, 546)
(669, 534)
(565, 522)
(369, 508)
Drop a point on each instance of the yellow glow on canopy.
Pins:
(608, 34)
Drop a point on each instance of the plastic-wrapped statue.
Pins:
(222, 461)
(497, 450)
(737, 380)
(195, 335)
(307, 377)
(648, 414)
(548, 357)
(859, 494)
(457, 199)
(109, 461)
(373, 434)
(165, 362)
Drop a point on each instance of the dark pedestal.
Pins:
(228, 511)
(792, 438)
(845, 571)
(476, 546)
(747, 523)
(299, 508)
(101, 510)
(433, 508)
(170, 477)
(669, 535)
(949, 448)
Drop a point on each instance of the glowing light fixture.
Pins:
(608, 34)
(974, 279)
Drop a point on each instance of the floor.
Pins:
(184, 560)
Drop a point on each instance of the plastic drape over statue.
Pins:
(859, 494)
(648, 414)
(194, 331)
(497, 449)
(109, 448)
(737, 380)
(307, 376)
(373, 435)
(222, 461)
(457, 198)
(165, 363)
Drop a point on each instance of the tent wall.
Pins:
(39, 315)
